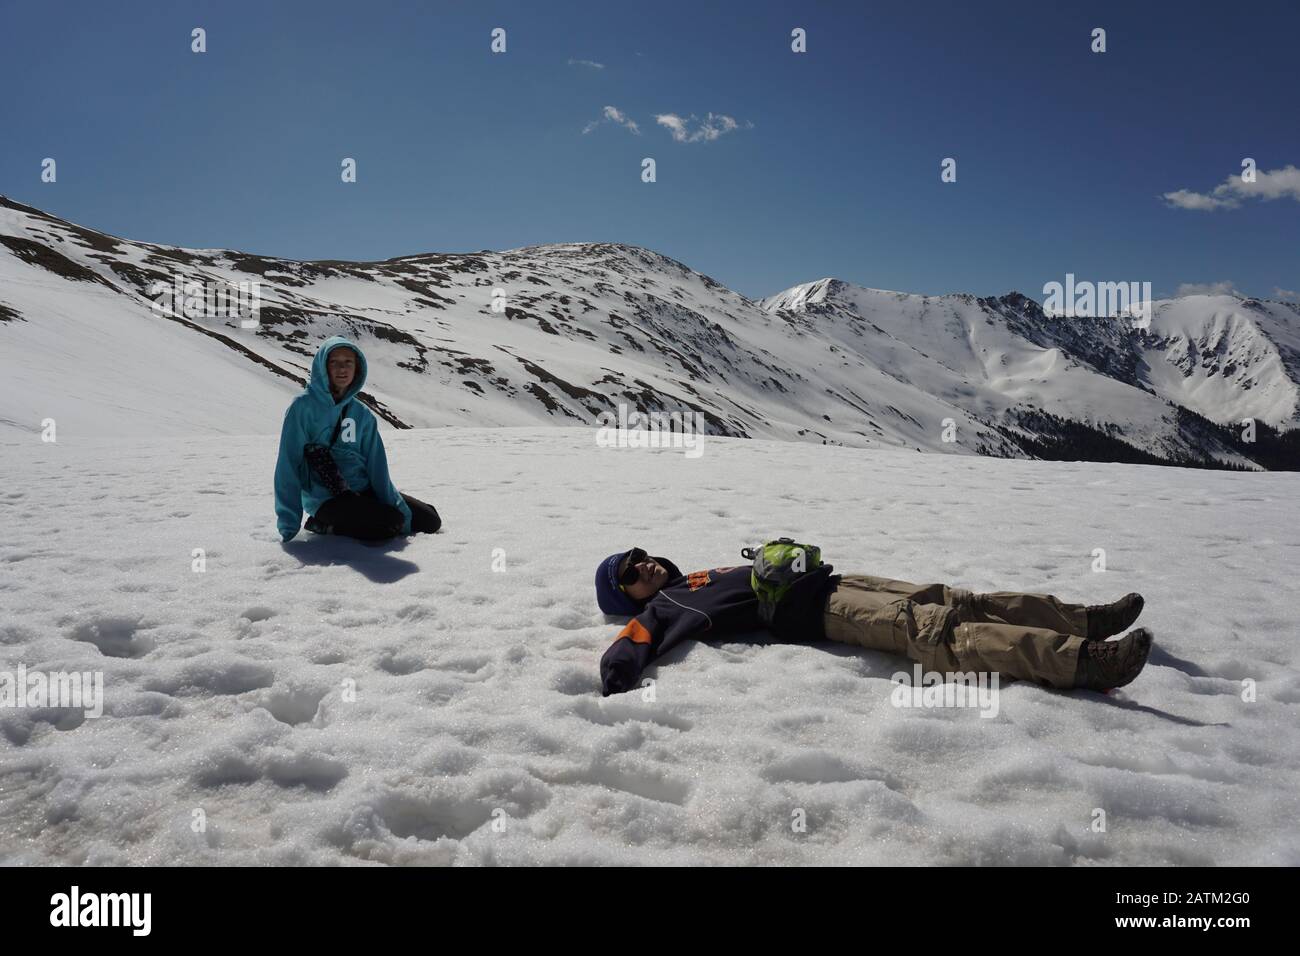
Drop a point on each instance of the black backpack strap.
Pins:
(338, 426)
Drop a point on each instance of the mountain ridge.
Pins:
(561, 332)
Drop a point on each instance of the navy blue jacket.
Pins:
(716, 603)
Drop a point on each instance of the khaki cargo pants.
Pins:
(1032, 637)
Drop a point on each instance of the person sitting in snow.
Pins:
(1033, 637)
(332, 462)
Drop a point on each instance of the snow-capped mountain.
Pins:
(1160, 386)
(562, 332)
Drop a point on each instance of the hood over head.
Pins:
(320, 379)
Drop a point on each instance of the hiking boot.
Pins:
(1107, 664)
(1107, 619)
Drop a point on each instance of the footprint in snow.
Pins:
(114, 637)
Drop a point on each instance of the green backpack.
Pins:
(777, 566)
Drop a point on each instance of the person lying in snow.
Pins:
(1033, 637)
(332, 462)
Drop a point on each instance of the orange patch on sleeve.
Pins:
(697, 579)
(636, 632)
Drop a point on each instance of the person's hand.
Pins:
(615, 680)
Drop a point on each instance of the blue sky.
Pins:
(1062, 154)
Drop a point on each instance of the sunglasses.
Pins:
(628, 573)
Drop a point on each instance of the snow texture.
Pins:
(476, 691)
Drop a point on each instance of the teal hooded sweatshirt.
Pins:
(311, 418)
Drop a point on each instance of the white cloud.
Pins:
(1272, 184)
(1286, 295)
(710, 128)
(1281, 183)
(1225, 287)
(690, 129)
(591, 63)
(1186, 199)
(612, 114)
(674, 123)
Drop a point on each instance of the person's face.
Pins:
(342, 367)
(650, 577)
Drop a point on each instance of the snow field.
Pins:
(333, 702)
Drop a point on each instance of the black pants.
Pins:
(366, 517)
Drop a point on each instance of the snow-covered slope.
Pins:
(1226, 358)
(588, 326)
(1223, 358)
(477, 694)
